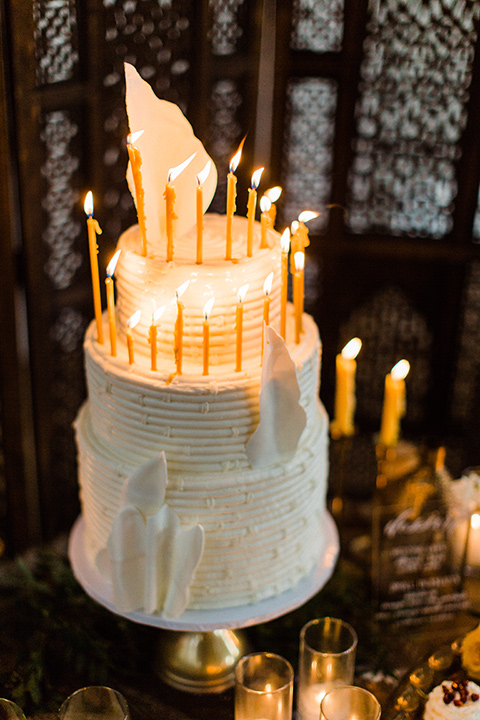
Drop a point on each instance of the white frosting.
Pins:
(244, 531)
(437, 709)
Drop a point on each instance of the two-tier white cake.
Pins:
(202, 490)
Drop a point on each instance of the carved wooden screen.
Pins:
(381, 105)
(64, 62)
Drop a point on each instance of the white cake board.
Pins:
(205, 620)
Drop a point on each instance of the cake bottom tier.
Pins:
(263, 527)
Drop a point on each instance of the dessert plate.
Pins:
(205, 620)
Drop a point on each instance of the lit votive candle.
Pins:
(394, 404)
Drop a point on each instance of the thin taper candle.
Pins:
(206, 335)
(136, 165)
(93, 229)
(201, 177)
(285, 244)
(298, 293)
(251, 208)
(231, 199)
(239, 326)
(111, 303)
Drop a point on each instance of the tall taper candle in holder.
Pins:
(251, 208)
(231, 198)
(345, 399)
(111, 303)
(94, 229)
(136, 166)
(394, 404)
(263, 687)
(169, 195)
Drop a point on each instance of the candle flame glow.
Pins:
(236, 158)
(133, 137)
(267, 285)
(157, 314)
(352, 348)
(207, 308)
(265, 204)
(173, 173)
(294, 226)
(400, 370)
(134, 319)
(285, 240)
(88, 204)
(299, 259)
(202, 176)
(475, 521)
(242, 292)
(256, 178)
(180, 290)
(113, 264)
(273, 193)
(307, 215)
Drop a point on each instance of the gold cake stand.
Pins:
(198, 651)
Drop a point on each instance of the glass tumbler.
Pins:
(10, 710)
(94, 703)
(263, 687)
(327, 660)
(350, 703)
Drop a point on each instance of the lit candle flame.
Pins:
(202, 176)
(475, 521)
(294, 226)
(352, 348)
(267, 285)
(133, 137)
(307, 215)
(400, 370)
(180, 290)
(256, 178)
(236, 158)
(285, 240)
(273, 193)
(134, 319)
(265, 204)
(207, 308)
(242, 292)
(113, 264)
(157, 314)
(173, 173)
(299, 259)
(88, 204)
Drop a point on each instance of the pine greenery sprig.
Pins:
(55, 638)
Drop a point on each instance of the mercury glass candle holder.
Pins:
(10, 710)
(349, 703)
(95, 703)
(263, 687)
(327, 660)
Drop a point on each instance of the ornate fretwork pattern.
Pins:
(410, 116)
(226, 30)
(317, 25)
(225, 132)
(307, 152)
(468, 365)
(391, 329)
(56, 40)
(59, 201)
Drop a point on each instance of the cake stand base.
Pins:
(200, 662)
(201, 657)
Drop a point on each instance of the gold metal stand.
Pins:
(199, 662)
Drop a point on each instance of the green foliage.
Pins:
(55, 638)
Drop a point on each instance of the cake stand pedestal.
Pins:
(201, 655)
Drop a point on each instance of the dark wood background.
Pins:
(371, 108)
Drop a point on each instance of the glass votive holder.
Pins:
(350, 703)
(263, 687)
(95, 702)
(327, 660)
(10, 710)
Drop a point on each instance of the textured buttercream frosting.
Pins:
(262, 526)
(437, 709)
